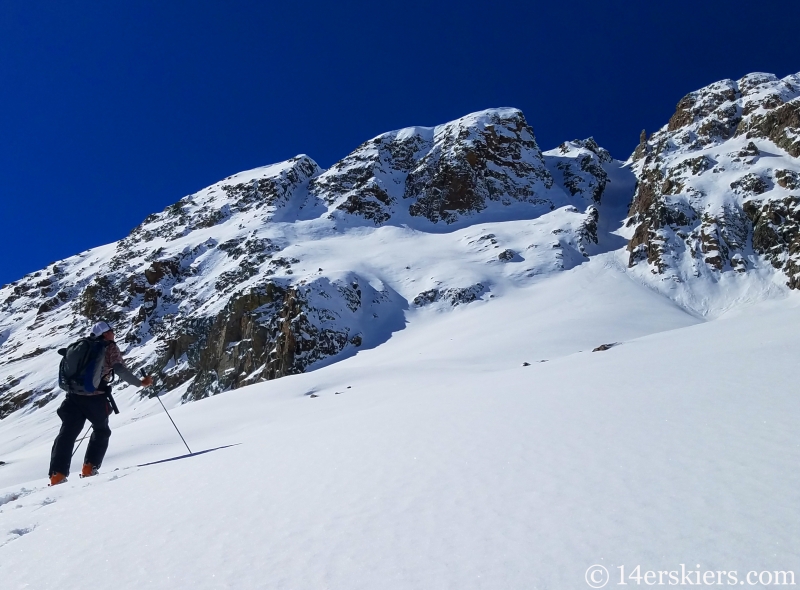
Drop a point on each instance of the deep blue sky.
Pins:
(110, 111)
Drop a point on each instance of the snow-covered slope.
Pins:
(437, 460)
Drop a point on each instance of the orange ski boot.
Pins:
(57, 478)
(88, 470)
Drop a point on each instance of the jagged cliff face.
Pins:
(441, 174)
(277, 270)
(718, 186)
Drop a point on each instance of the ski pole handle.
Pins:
(111, 401)
(145, 377)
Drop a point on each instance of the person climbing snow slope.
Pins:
(86, 374)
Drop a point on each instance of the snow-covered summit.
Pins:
(486, 160)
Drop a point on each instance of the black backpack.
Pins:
(80, 369)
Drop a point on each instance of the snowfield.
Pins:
(437, 460)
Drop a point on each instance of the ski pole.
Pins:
(170, 419)
(81, 441)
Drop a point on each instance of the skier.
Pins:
(95, 407)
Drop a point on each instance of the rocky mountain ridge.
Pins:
(224, 288)
(718, 185)
(285, 268)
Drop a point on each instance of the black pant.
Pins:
(74, 412)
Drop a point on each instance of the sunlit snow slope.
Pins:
(438, 460)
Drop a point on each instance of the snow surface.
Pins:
(438, 461)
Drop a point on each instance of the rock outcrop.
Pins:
(440, 174)
(579, 163)
(452, 296)
(718, 184)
